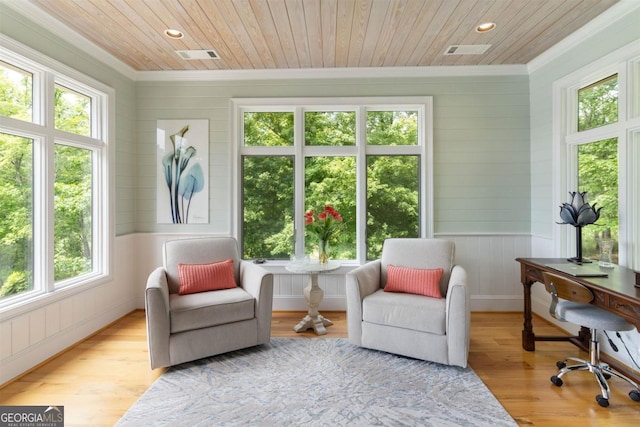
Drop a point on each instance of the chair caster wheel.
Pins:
(557, 381)
(635, 395)
(602, 401)
(561, 364)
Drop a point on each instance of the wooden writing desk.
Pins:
(615, 293)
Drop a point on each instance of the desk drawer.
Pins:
(620, 306)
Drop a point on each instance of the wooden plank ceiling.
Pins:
(294, 34)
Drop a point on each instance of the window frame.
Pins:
(422, 104)
(47, 73)
(624, 62)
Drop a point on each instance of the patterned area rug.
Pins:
(316, 382)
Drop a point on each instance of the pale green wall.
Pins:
(610, 38)
(26, 32)
(481, 143)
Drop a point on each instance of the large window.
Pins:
(54, 227)
(600, 144)
(367, 158)
(597, 162)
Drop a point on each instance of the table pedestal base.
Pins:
(313, 294)
(318, 324)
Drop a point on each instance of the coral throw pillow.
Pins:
(414, 281)
(206, 277)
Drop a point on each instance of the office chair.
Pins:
(576, 308)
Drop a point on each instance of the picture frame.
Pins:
(182, 179)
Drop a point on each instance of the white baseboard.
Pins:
(496, 303)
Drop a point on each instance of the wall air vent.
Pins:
(467, 49)
(198, 54)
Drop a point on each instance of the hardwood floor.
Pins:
(100, 378)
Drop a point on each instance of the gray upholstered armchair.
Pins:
(422, 327)
(182, 328)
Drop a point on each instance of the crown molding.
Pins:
(607, 18)
(332, 73)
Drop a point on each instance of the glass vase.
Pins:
(606, 247)
(323, 251)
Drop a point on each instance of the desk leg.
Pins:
(313, 294)
(528, 337)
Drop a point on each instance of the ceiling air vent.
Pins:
(467, 49)
(198, 54)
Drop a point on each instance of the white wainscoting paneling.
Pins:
(493, 274)
(31, 337)
(288, 291)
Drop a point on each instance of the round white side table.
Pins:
(313, 294)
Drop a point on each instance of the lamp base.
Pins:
(579, 261)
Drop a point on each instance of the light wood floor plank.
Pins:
(101, 377)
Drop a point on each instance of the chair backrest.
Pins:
(203, 250)
(419, 253)
(561, 287)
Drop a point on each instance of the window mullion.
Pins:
(361, 184)
(425, 143)
(596, 134)
(323, 151)
(47, 168)
(298, 182)
(100, 217)
(624, 223)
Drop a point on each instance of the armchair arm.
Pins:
(458, 317)
(258, 282)
(158, 320)
(360, 282)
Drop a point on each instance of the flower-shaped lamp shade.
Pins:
(578, 212)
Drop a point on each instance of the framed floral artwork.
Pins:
(182, 172)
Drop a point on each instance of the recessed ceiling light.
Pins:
(487, 26)
(173, 34)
